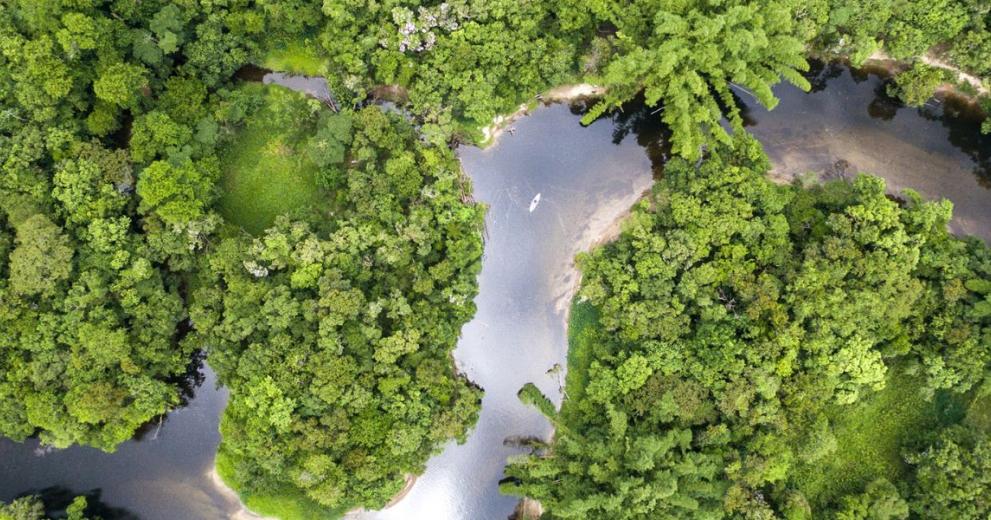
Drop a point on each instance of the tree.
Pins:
(42, 258)
(953, 476)
(687, 56)
(328, 146)
(334, 335)
(25, 508)
(156, 135)
(918, 84)
(879, 501)
(177, 194)
(32, 508)
(734, 318)
(120, 84)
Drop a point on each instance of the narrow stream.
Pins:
(587, 178)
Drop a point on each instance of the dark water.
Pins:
(162, 474)
(587, 178)
(848, 124)
(315, 87)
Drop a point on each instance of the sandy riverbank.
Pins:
(238, 511)
(894, 67)
(501, 123)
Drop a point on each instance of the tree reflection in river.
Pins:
(846, 124)
(963, 119)
(57, 499)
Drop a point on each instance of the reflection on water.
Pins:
(587, 178)
(161, 474)
(849, 124)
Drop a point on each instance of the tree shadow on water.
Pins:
(56, 499)
(637, 118)
(820, 73)
(884, 107)
(962, 120)
(187, 383)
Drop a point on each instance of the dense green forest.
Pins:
(152, 205)
(748, 349)
(32, 508)
(333, 329)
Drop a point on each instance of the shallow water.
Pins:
(587, 177)
(313, 86)
(847, 124)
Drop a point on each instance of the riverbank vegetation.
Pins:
(151, 207)
(33, 508)
(946, 39)
(334, 329)
(773, 351)
(133, 170)
(463, 63)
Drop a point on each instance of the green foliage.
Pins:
(90, 300)
(296, 57)
(582, 324)
(285, 502)
(41, 259)
(879, 501)
(116, 118)
(904, 29)
(954, 476)
(725, 339)
(271, 165)
(334, 331)
(686, 55)
(25, 508)
(744, 337)
(155, 134)
(916, 85)
(869, 439)
(971, 49)
(120, 83)
(88, 323)
(955, 32)
(32, 508)
(177, 194)
(459, 64)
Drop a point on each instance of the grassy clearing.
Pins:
(296, 57)
(871, 436)
(286, 503)
(265, 172)
(582, 325)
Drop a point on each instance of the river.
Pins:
(585, 183)
(162, 474)
(848, 124)
(587, 178)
